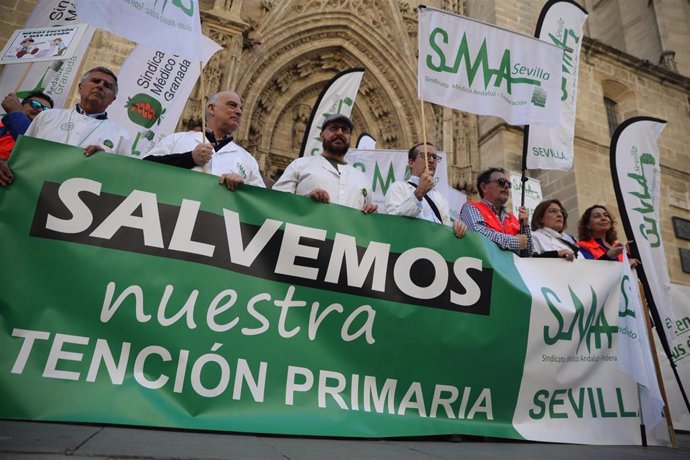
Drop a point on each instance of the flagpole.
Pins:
(202, 96)
(426, 155)
(652, 347)
(643, 429)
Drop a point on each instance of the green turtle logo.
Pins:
(144, 110)
(108, 143)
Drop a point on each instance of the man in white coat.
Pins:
(328, 178)
(417, 196)
(216, 153)
(87, 125)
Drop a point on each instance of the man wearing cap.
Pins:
(19, 117)
(215, 153)
(327, 177)
(417, 196)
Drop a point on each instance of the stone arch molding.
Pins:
(301, 45)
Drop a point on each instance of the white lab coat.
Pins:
(230, 159)
(70, 127)
(346, 185)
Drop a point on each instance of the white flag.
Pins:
(153, 89)
(478, 68)
(172, 26)
(634, 352)
(560, 23)
(636, 174)
(337, 97)
(56, 78)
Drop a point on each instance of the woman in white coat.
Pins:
(549, 222)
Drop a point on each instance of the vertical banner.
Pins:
(533, 193)
(337, 97)
(560, 23)
(54, 78)
(153, 89)
(479, 68)
(680, 354)
(636, 173)
(635, 355)
(173, 26)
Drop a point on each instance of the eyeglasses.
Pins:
(36, 105)
(334, 128)
(431, 156)
(501, 182)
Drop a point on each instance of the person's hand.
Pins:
(231, 181)
(370, 208)
(319, 194)
(522, 241)
(523, 216)
(634, 263)
(426, 183)
(615, 250)
(91, 149)
(567, 254)
(459, 228)
(202, 154)
(11, 103)
(6, 176)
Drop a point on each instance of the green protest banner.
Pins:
(149, 295)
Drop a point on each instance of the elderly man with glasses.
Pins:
(328, 178)
(19, 115)
(490, 217)
(417, 196)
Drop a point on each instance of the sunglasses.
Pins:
(36, 105)
(501, 182)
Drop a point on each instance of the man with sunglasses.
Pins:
(417, 196)
(19, 115)
(328, 178)
(490, 218)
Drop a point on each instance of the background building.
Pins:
(278, 54)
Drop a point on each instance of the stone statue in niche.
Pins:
(299, 125)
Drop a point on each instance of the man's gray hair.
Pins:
(104, 70)
(213, 99)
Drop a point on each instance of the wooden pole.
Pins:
(202, 96)
(662, 388)
(426, 155)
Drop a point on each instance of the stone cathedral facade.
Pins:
(278, 55)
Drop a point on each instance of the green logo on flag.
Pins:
(539, 97)
(144, 110)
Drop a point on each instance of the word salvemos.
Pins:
(78, 211)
